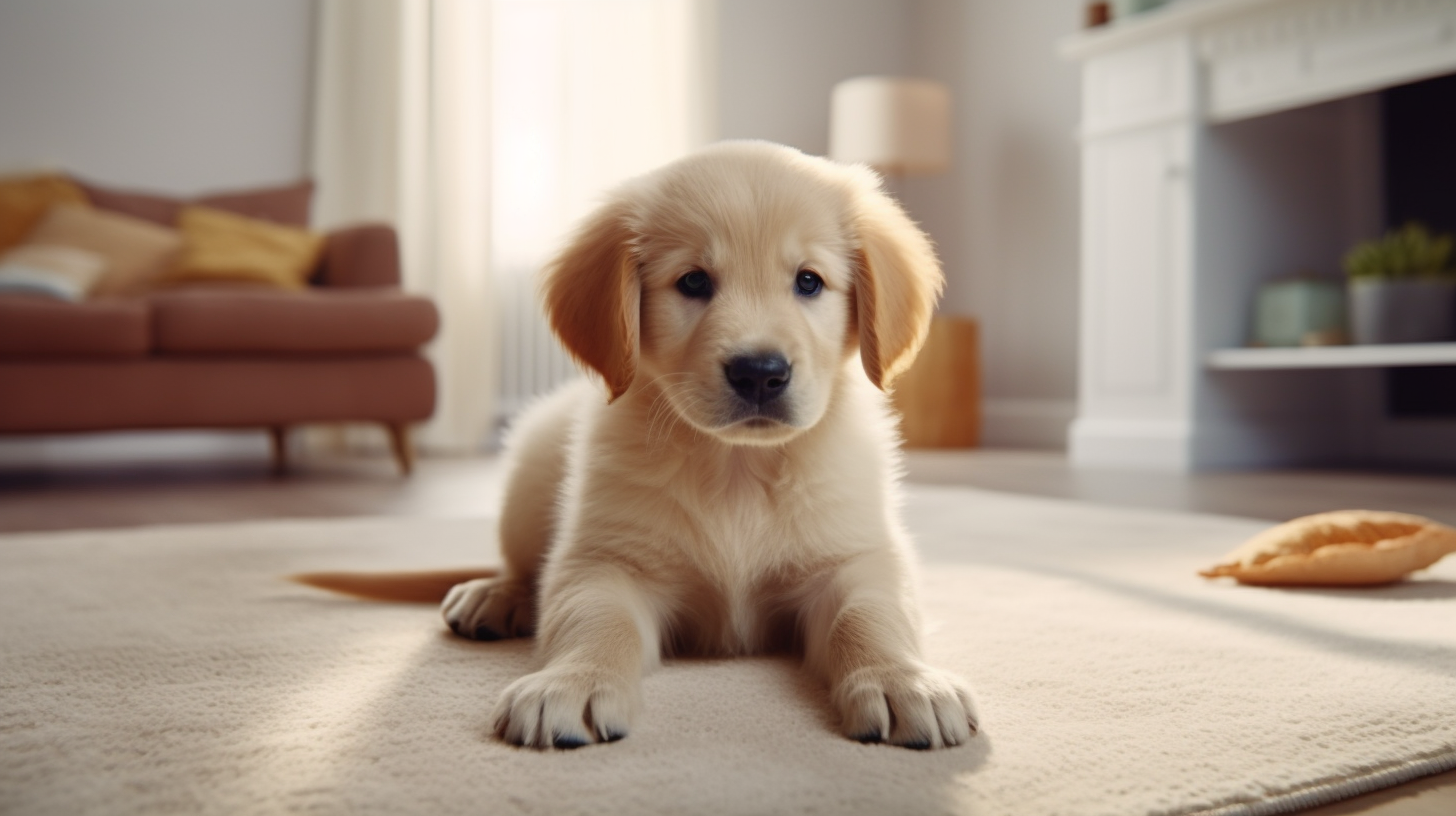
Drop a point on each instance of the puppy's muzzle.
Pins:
(758, 379)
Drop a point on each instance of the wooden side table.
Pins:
(939, 397)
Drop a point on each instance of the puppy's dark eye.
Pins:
(696, 284)
(808, 283)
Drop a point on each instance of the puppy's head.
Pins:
(736, 282)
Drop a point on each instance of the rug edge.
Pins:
(1320, 794)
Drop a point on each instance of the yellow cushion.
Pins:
(25, 199)
(137, 252)
(222, 246)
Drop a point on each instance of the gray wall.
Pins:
(1005, 218)
(779, 59)
(174, 95)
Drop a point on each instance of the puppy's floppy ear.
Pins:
(592, 292)
(897, 282)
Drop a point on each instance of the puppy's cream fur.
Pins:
(667, 515)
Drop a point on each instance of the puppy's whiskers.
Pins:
(676, 401)
(660, 411)
(688, 403)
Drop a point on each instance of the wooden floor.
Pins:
(107, 496)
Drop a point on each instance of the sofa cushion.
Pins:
(212, 320)
(40, 327)
(190, 392)
(45, 270)
(24, 201)
(219, 247)
(286, 204)
(136, 251)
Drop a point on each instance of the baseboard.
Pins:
(1026, 423)
(1133, 444)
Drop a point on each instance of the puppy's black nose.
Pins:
(758, 378)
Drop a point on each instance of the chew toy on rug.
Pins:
(1342, 548)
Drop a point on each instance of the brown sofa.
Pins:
(345, 349)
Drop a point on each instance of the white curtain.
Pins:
(482, 129)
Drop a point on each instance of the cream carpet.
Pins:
(169, 670)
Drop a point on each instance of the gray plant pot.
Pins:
(1402, 311)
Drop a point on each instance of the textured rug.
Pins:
(170, 670)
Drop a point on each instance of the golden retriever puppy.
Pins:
(732, 490)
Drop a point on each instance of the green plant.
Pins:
(1409, 252)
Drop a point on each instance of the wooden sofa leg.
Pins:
(404, 451)
(279, 435)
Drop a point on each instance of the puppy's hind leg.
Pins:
(491, 608)
(505, 606)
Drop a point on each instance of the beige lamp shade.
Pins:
(898, 126)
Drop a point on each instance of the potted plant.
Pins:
(1403, 288)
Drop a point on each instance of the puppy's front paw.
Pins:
(912, 706)
(490, 608)
(566, 708)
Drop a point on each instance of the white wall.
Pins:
(1005, 218)
(174, 95)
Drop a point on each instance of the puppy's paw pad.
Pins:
(910, 706)
(565, 709)
(490, 609)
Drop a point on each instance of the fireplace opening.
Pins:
(1418, 130)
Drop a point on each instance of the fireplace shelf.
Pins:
(1394, 354)
(1224, 144)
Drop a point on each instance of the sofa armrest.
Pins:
(360, 255)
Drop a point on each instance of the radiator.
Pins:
(532, 360)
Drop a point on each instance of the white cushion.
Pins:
(49, 270)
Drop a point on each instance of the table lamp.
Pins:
(899, 126)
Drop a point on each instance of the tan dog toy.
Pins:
(1343, 548)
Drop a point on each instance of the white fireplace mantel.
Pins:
(1226, 142)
